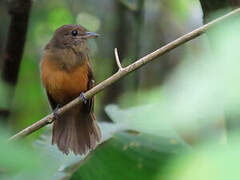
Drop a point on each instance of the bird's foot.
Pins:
(55, 112)
(83, 97)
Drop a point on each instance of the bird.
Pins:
(66, 74)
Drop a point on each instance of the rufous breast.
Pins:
(61, 84)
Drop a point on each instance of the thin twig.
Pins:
(117, 59)
(132, 67)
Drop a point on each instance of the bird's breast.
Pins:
(64, 85)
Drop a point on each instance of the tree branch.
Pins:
(126, 70)
(117, 59)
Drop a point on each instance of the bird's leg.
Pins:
(55, 112)
(83, 97)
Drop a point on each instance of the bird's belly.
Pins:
(64, 86)
(67, 87)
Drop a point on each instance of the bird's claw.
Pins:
(83, 97)
(55, 112)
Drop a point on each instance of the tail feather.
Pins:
(76, 131)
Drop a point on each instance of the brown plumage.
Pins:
(66, 73)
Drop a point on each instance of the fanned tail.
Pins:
(76, 131)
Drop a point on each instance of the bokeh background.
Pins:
(134, 29)
(175, 118)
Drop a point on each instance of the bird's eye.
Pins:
(74, 33)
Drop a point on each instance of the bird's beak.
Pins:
(91, 35)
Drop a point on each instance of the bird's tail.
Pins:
(76, 131)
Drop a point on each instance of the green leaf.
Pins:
(130, 156)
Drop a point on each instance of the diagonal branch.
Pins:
(126, 70)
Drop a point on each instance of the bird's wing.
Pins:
(91, 83)
(52, 102)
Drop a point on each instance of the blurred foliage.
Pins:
(88, 21)
(181, 8)
(195, 101)
(18, 161)
(58, 17)
(130, 4)
(209, 161)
